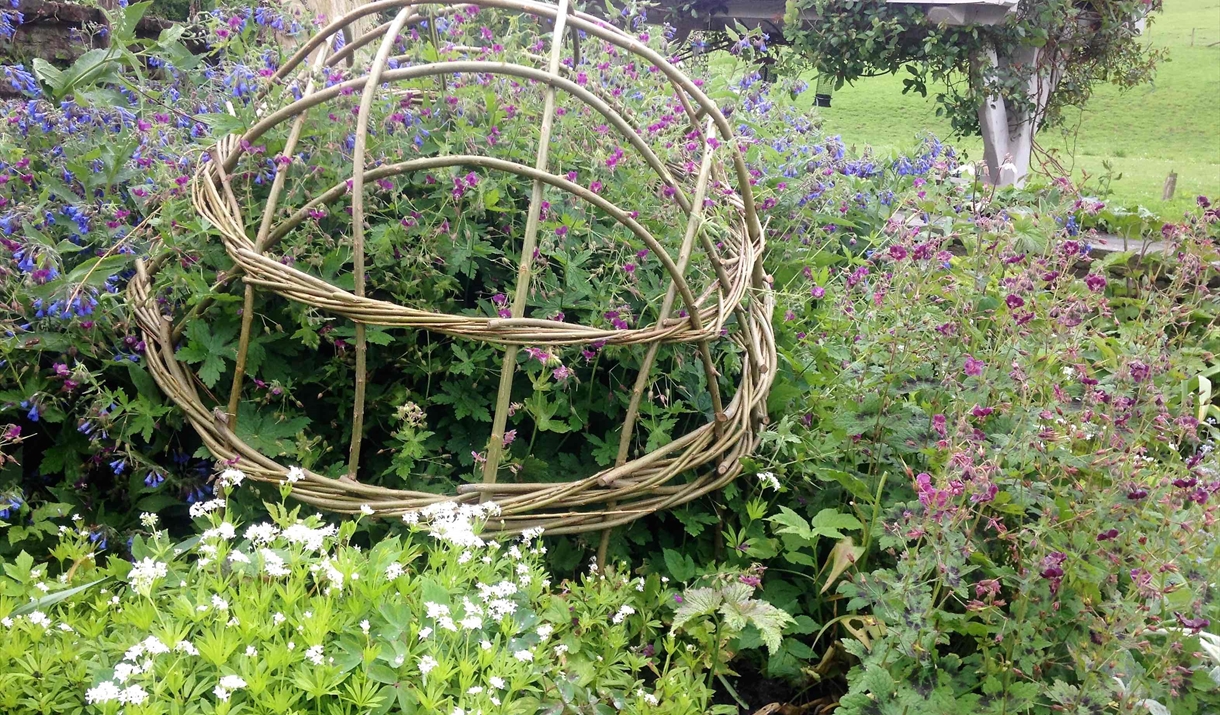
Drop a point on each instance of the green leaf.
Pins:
(377, 336)
(696, 602)
(271, 434)
(829, 521)
(681, 566)
(383, 673)
(854, 485)
(222, 124)
(47, 73)
(54, 598)
(209, 350)
(791, 523)
(145, 385)
(156, 502)
(94, 67)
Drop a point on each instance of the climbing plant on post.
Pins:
(1001, 71)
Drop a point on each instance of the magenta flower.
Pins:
(973, 367)
(538, 354)
(1095, 282)
(1052, 569)
(1014, 301)
(1194, 625)
(817, 292)
(987, 587)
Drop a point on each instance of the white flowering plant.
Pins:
(291, 616)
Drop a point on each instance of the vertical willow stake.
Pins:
(694, 222)
(362, 134)
(247, 306)
(495, 447)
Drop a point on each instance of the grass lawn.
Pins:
(1170, 125)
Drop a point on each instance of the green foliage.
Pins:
(967, 401)
(1093, 43)
(290, 615)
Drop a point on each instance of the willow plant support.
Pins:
(732, 312)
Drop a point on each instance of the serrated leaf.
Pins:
(271, 434)
(791, 523)
(829, 521)
(696, 602)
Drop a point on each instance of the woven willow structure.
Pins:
(733, 311)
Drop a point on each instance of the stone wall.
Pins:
(59, 32)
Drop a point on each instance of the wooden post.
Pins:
(1171, 185)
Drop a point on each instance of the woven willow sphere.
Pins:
(711, 312)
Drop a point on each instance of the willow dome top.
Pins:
(711, 303)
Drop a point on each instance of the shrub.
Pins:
(1025, 431)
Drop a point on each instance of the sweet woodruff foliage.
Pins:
(287, 615)
(993, 447)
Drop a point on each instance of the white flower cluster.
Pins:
(230, 477)
(454, 523)
(334, 576)
(769, 480)
(106, 691)
(138, 659)
(314, 654)
(37, 618)
(622, 614)
(273, 565)
(204, 508)
(426, 664)
(223, 531)
(228, 684)
(263, 533)
(496, 599)
(307, 536)
(144, 573)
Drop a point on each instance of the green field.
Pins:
(1170, 125)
